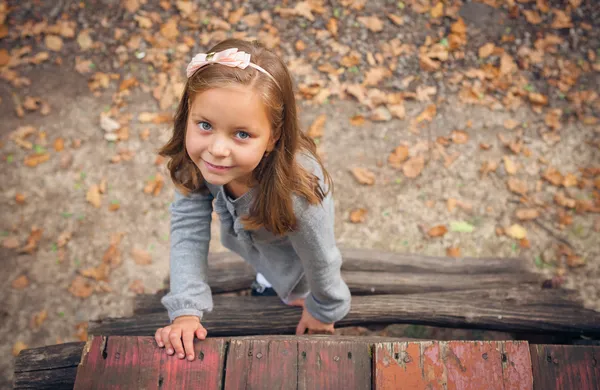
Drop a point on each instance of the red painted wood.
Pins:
(408, 366)
(451, 365)
(516, 365)
(137, 362)
(565, 367)
(330, 364)
(260, 364)
(205, 372)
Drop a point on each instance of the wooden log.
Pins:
(452, 365)
(565, 367)
(525, 309)
(51, 367)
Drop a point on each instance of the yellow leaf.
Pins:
(453, 252)
(18, 347)
(84, 40)
(459, 137)
(437, 11)
(509, 165)
(527, 214)
(398, 156)
(357, 120)
(20, 283)
(141, 256)
(532, 17)
(516, 231)
(34, 160)
(93, 196)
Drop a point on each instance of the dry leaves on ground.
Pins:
(363, 176)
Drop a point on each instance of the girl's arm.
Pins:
(314, 242)
(190, 237)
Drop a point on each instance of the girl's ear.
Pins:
(271, 144)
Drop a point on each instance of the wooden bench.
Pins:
(387, 288)
(313, 362)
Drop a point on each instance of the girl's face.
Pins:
(227, 135)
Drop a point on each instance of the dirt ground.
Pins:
(53, 233)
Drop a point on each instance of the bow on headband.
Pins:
(229, 57)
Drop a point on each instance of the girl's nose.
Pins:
(219, 147)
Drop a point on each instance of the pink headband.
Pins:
(229, 57)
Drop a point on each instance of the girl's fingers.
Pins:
(201, 333)
(165, 338)
(188, 344)
(158, 338)
(300, 329)
(175, 339)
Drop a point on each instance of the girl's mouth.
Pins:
(216, 168)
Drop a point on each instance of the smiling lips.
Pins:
(219, 168)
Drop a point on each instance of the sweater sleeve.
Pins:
(314, 242)
(190, 237)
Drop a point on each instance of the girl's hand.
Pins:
(313, 325)
(183, 328)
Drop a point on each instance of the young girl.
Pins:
(237, 141)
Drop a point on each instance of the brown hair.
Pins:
(278, 174)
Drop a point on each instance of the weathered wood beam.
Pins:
(523, 309)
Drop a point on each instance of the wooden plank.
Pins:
(137, 362)
(525, 309)
(55, 378)
(260, 364)
(408, 365)
(516, 365)
(565, 367)
(205, 372)
(450, 365)
(324, 364)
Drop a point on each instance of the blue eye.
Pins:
(204, 126)
(243, 135)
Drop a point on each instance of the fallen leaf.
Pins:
(137, 287)
(398, 156)
(570, 180)
(363, 176)
(516, 231)
(527, 214)
(461, 227)
(509, 165)
(38, 319)
(524, 243)
(84, 40)
(437, 231)
(375, 75)
(396, 19)
(437, 10)
(20, 198)
(93, 196)
(169, 30)
(459, 137)
(486, 50)
(538, 98)
(32, 241)
(31, 103)
(561, 20)
(428, 114)
(553, 176)
(414, 166)
(357, 120)
(453, 252)
(532, 17)
(141, 257)
(373, 23)
(64, 238)
(34, 160)
(20, 283)
(562, 200)
(154, 185)
(510, 124)
(397, 110)
(316, 128)
(18, 347)
(59, 144)
(80, 287)
(574, 261)
(53, 42)
(100, 272)
(517, 186)
(358, 215)
(236, 16)
(81, 331)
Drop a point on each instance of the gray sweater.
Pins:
(306, 261)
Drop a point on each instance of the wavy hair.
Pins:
(279, 175)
